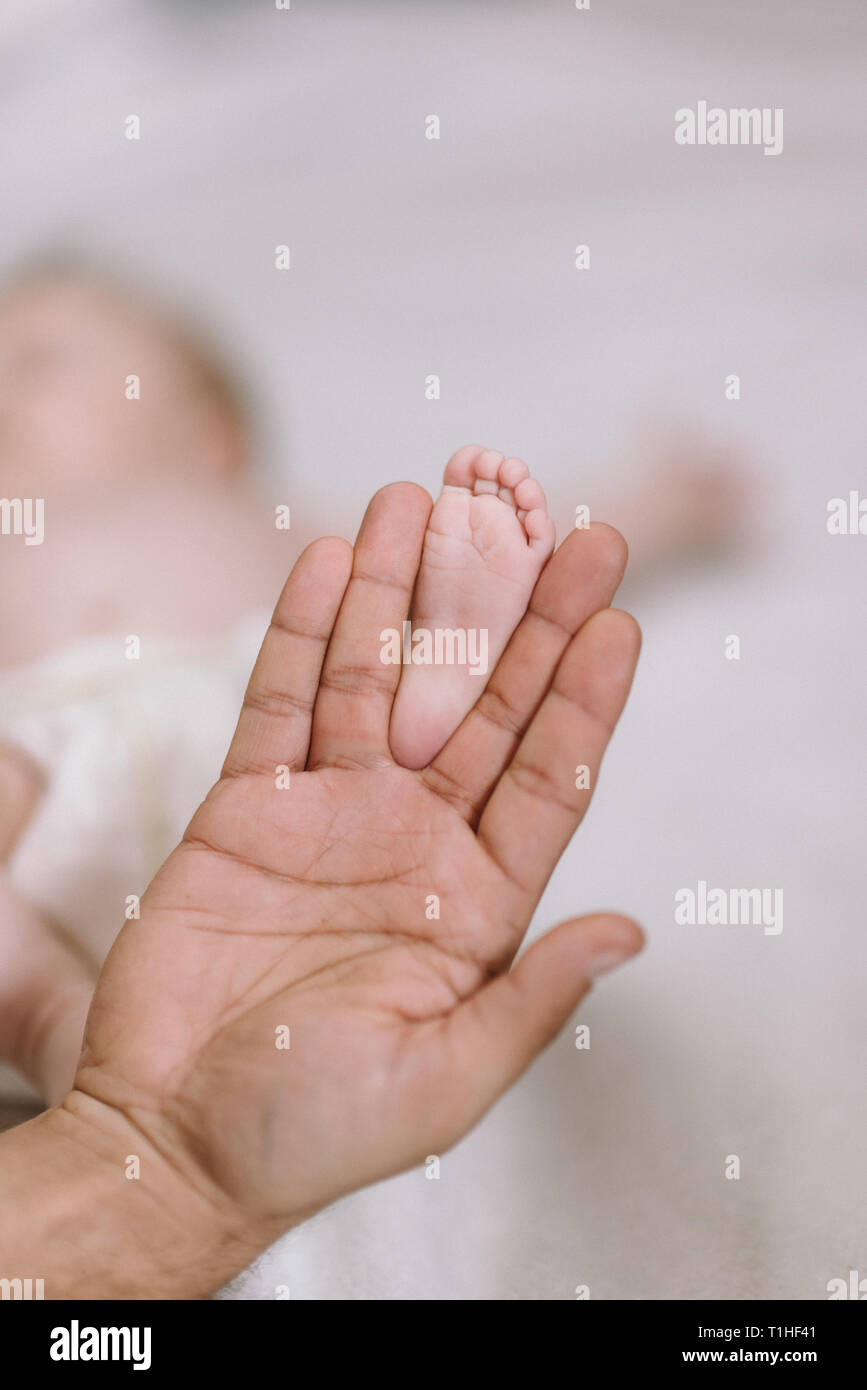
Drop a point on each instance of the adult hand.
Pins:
(305, 914)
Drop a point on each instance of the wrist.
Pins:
(97, 1210)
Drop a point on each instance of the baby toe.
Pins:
(529, 495)
(487, 467)
(460, 470)
(540, 531)
(512, 472)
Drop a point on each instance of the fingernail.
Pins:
(608, 959)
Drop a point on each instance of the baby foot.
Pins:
(487, 540)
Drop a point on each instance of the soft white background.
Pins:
(457, 257)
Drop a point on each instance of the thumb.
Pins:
(502, 1028)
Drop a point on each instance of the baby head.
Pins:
(100, 386)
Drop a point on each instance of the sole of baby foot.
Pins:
(488, 539)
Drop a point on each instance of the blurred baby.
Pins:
(128, 633)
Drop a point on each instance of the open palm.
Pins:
(318, 992)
